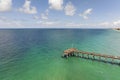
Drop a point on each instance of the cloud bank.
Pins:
(27, 8)
(5, 5)
(70, 9)
(56, 4)
(86, 13)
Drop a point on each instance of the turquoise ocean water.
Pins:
(35, 54)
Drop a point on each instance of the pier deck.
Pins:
(75, 52)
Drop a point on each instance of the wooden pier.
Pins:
(83, 54)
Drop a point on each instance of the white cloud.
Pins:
(91, 25)
(41, 23)
(116, 23)
(56, 4)
(36, 17)
(75, 25)
(69, 9)
(9, 23)
(105, 24)
(86, 13)
(5, 5)
(27, 8)
(43, 16)
(48, 23)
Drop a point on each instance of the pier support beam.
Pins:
(82, 55)
(88, 56)
(105, 59)
(77, 54)
(112, 60)
(93, 57)
(99, 57)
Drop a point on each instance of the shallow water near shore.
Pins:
(35, 54)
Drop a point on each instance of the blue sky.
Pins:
(59, 13)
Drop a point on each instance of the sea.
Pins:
(35, 54)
